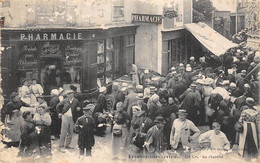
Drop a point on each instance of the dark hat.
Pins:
(135, 126)
(159, 119)
(74, 88)
(13, 95)
(69, 92)
(139, 114)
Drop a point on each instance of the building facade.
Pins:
(227, 18)
(89, 43)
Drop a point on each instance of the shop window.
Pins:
(118, 10)
(100, 63)
(72, 62)
(6, 3)
(130, 40)
(176, 51)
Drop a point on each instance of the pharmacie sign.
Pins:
(145, 18)
(50, 36)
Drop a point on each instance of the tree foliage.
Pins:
(198, 17)
(204, 7)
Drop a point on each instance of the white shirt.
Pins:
(69, 112)
(223, 92)
(218, 142)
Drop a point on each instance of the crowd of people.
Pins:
(150, 116)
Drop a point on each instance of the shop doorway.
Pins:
(50, 73)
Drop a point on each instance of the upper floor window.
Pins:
(56, 12)
(118, 10)
(5, 3)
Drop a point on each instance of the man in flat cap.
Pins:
(154, 142)
(85, 125)
(67, 110)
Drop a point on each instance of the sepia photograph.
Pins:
(129, 81)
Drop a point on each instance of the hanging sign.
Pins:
(145, 18)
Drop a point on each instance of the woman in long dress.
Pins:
(36, 90)
(121, 119)
(24, 92)
(248, 141)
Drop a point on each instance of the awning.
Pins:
(211, 39)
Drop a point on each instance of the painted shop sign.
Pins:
(50, 36)
(28, 55)
(145, 18)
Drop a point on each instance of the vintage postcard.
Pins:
(129, 81)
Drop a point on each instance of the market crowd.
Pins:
(149, 115)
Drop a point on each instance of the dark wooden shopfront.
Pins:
(58, 57)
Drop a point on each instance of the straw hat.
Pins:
(208, 81)
(182, 111)
(139, 88)
(140, 96)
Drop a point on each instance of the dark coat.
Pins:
(29, 141)
(179, 88)
(118, 97)
(231, 78)
(155, 140)
(153, 111)
(148, 123)
(53, 103)
(86, 128)
(101, 103)
(55, 120)
(11, 106)
(65, 105)
(236, 92)
(214, 101)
